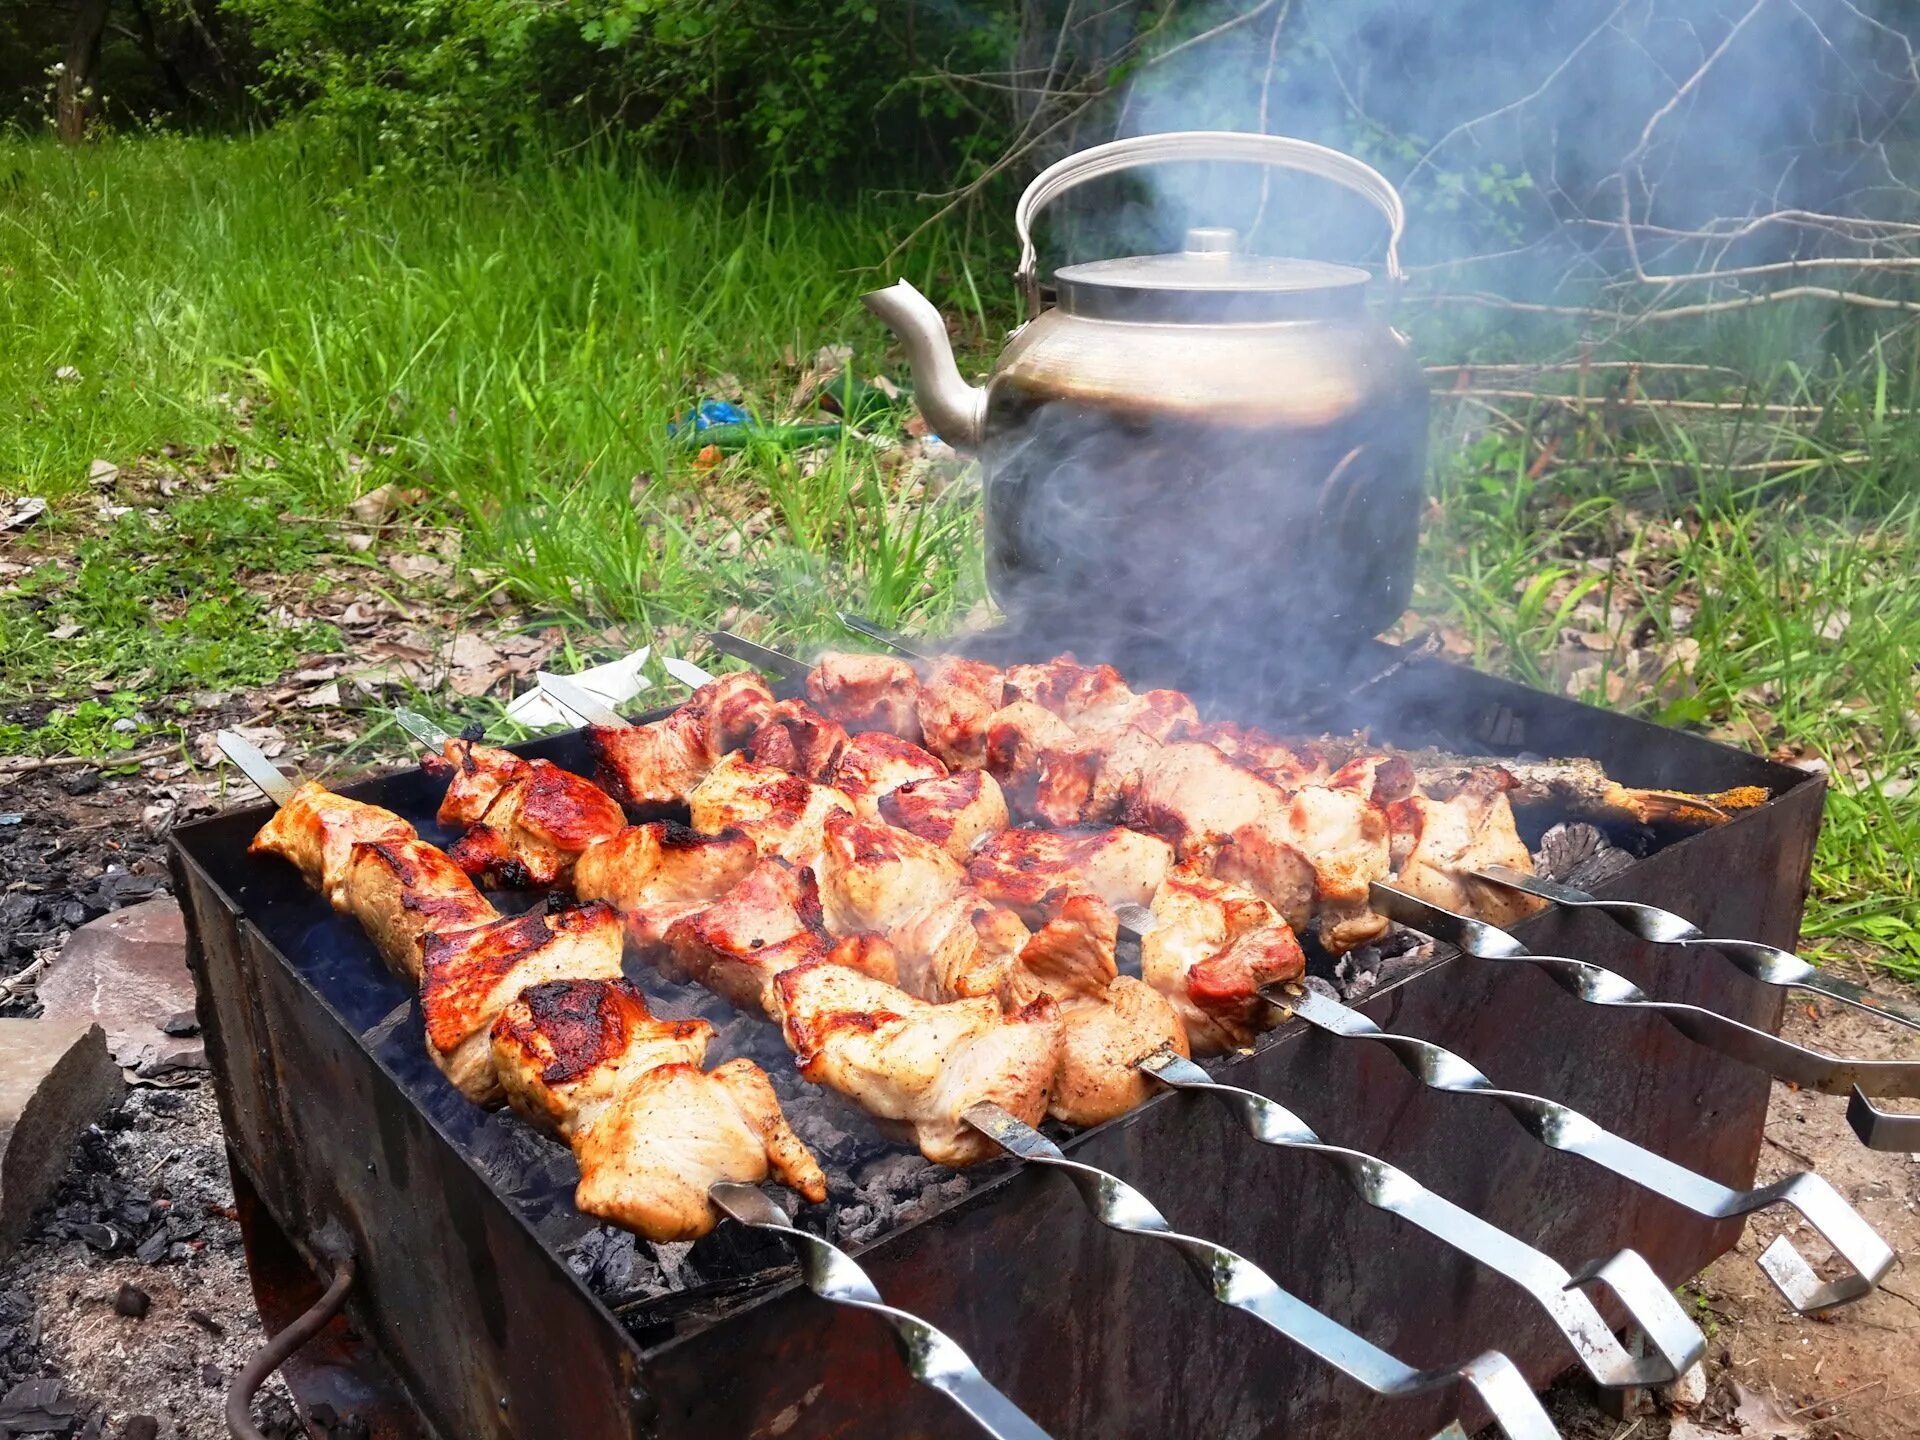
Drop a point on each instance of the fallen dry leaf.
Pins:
(264, 738)
(476, 665)
(326, 697)
(102, 474)
(418, 567)
(24, 511)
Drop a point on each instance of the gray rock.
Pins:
(127, 971)
(55, 1078)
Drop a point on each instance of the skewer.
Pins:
(1676, 1340)
(783, 667)
(1236, 1281)
(266, 776)
(1882, 1129)
(1810, 1069)
(1763, 962)
(419, 727)
(931, 1357)
(892, 639)
(1560, 1127)
(590, 708)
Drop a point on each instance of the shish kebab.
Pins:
(563, 1089)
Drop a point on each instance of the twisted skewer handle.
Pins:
(931, 1357)
(1238, 1282)
(1768, 963)
(1597, 985)
(1882, 1129)
(1560, 1127)
(266, 776)
(1676, 1341)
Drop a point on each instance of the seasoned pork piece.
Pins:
(660, 763)
(1093, 779)
(961, 949)
(768, 923)
(1346, 836)
(783, 813)
(652, 1132)
(315, 832)
(876, 877)
(1033, 872)
(1285, 763)
(1211, 949)
(918, 1065)
(402, 891)
(470, 976)
(875, 764)
(1196, 797)
(1380, 778)
(475, 776)
(536, 828)
(956, 702)
(1108, 1020)
(953, 811)
(868, 692)
(797, 738)
(1019, 736)
(661, 872)
(1065, 686)
(1436, 843)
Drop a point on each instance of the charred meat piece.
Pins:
(955, 704)
(920, 1066)
(1033, 872)
(315, 832)
(768, 923)
(1213, 947)
(653, 1132)
(475, 775)
(784, 814)
(1019, 736)
(875, 764)
(658, 873)
(1108, 1020)
(868, 692)
(953, 811)
(661, 763)
(1065, 686)
(1285, 763)
(1381, 778)
(797, 738)
(961, 949)
(1093, 779)
(536, 828)
(402, 891)
(1437, 843)
(876, 877)
(471, 976)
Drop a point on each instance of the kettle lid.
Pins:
(1211, 279)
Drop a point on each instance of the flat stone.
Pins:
(55, 1078)
(128, 972)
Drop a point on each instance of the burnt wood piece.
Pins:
(334, 1114)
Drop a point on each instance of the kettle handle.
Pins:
(1276, 150)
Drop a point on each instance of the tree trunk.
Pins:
(83, 58)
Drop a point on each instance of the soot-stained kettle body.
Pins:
(1206, 446)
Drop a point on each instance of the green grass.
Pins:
(514, 346)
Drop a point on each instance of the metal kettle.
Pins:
(1191, 444)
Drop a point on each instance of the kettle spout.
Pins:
(956, 410)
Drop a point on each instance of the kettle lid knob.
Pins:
(1212, 240)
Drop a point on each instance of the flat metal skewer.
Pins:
(590, 708)
(1560, 1127)
(1597, 985)
(267, 777)
(931, 1356)
(892, 639)
(1763, 962)
(420, 727)
(1676, 1341)
(1882, 1129)
(784, 667)
(1236, 1281)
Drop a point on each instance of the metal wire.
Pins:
(272, 1355)
(1236, 1281)
(1559, 1127)
(931, 1357)
(1676, 1341)
(1768, 963)
(1810, 1069)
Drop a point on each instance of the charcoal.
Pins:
(184, 1024)
(153, 1249)
(81, 782)
(132, 1302)
(212, 1377)
(38, 1406)
(141, 1427)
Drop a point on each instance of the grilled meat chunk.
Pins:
(1065, 686)
(868, 692)
(875, 764)
(658, 873)
(536, 828)
(1019, 736)
(661, 763)
(470, 976)
(953, 811)
(875, 877)
(784, 814)
(918, 1065)
(1438, 843)
(1108, 1020)
(315, 832)
(652, 1132)
(768, 923)
(402, 891)
(960, 949)
(1092, 779)
(955, 704)
(1285, 763)
(1033, 872)
(797, 738)
(475, 776)
(1211, 949)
